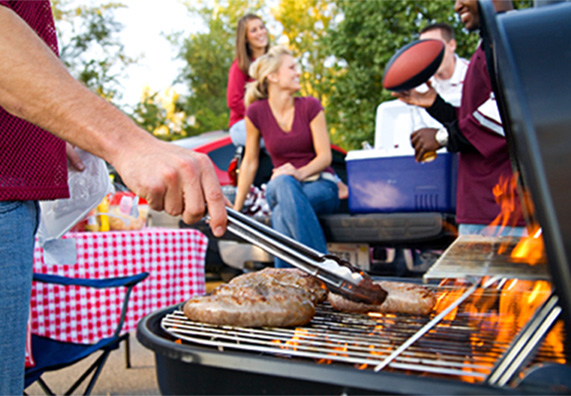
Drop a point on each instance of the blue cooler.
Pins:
(383, 182)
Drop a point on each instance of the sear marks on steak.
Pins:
(404, 298)
(287, 277)
(271, 297)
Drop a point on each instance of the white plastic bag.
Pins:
(86, 189)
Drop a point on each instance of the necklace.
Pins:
(285, 121)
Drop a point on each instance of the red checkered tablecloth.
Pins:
(174, 259)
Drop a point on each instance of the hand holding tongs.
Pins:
(338, 275)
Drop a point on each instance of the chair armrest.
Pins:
(126, 281)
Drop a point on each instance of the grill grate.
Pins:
(462, 347)
(477, 256)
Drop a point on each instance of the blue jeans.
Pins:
(485, 230)
(18, 224)
(295, 206)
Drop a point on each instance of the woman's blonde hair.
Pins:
(260, 70)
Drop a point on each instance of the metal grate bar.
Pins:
(468, 345)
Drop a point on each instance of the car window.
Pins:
(222, 156)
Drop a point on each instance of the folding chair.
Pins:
(51, 355)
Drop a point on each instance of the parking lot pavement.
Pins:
(115, 378)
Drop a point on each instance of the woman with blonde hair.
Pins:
(295, 134)
(251, 43)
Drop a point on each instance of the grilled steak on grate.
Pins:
(402, 297)
(271, 297)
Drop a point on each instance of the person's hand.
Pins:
(176, 180)
(343, 190)
(74, 158)
(424, 141)
(416, 98)
(286, 169)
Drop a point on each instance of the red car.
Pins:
(218, 146)
(225, 157)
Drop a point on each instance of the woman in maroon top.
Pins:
(251, 43)
(295, 134)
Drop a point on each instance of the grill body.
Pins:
(190, 369)
(532, 53)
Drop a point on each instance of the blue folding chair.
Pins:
(51, 355)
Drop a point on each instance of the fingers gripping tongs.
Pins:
(338, 275)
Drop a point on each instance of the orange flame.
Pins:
(530, 249)
(505, 196)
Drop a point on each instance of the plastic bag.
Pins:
(86, 189)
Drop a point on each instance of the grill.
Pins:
(464, 347)
(369, 342)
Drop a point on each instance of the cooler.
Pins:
(384, 182)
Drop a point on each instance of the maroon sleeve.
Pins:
(314, 107)
(235, 92)
(253, 112)
(477, 89)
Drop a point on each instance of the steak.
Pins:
(271, 297)
(404, 298)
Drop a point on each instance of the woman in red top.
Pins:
(295, 133)
(251, 43)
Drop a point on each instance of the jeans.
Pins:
(486, 230)
(18, 225)
(238, 134)
(295, 206)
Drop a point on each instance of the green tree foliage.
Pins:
(208, 58)
(90, 46)
(363, 41)
(366, 36)
(305, 24)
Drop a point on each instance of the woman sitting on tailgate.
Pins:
(295, 135)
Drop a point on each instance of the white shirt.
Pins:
(396, 120)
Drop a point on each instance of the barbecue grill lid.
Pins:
(531, 58)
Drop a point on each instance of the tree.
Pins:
(305, 24)
(161, 114)
(90, 46)
(209, 56)
(363, 41)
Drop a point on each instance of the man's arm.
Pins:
(35, 86)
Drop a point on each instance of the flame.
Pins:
(502, 310)
(530, 250)
(505, 196)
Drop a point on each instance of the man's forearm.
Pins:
(35, 86)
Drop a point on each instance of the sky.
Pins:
(144, 22)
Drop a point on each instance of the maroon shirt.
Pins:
(480, 170)
(235, 93)
(295, 146)
(33, 164)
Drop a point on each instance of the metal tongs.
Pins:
(338, 275)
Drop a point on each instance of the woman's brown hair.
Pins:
(243, 52)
